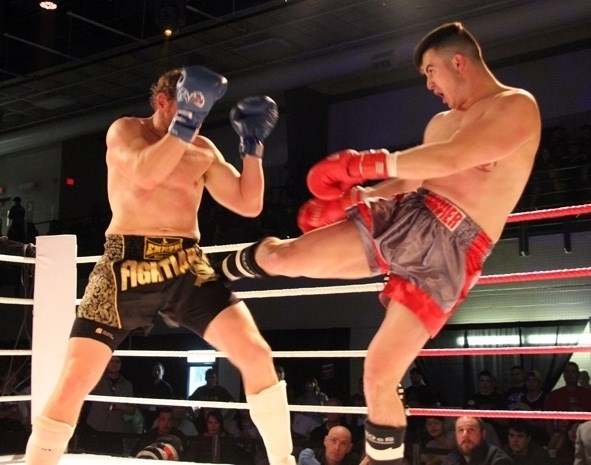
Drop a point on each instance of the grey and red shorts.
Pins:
(431, 250)
(139, 277)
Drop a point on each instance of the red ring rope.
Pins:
(535, 276)
(550, 213)
(536, 414)
(539, 350)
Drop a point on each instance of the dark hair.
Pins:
(416, 370)
(166, 84)
(485, 373)
(521, 426)
(452, 36)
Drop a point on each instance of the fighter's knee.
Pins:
(274, 255)
(255, 353)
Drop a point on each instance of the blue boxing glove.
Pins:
(197, 90)
(253, 118)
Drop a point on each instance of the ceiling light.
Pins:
(170, 16)
(47, 5)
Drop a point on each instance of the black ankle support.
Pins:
(242, 264)
(384, 445)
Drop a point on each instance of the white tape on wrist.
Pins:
(392, 164)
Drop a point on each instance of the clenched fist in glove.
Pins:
(253, 119)
(316, 213)
(338, 173)
(197, 90)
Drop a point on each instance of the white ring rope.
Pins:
(221, 405)
(15, 398)
(207, 354)
(16, 259)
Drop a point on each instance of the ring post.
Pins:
(54, 309)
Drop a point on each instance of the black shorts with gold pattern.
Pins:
(139, 277)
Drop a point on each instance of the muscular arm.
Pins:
(145, 164)
(241, 193)
(511, 121)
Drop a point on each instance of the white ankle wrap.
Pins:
(48, 441)
(270, 414)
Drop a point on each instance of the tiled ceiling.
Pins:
(91, 55)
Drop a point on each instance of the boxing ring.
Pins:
(55, 300)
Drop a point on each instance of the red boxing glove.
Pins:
(330, 178)
(316, 213)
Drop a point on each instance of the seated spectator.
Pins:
(417, 394)
(515, 395)
(520, 446)
(164, 436)
(212, 391)
(570, 397)
(182, 420)
(584, 379)
(473, 446)
(14, 432)
(304, 422)
(561, 445)
(583, 444)
(356, 422)
(318, 434)
(534, 400)
(229, 449)
(437, 443)
(253, 442)
(156, 388)
(487, 398)
(336, 451)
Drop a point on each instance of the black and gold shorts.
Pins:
(139, 277)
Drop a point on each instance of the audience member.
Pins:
(487, 398)
(105, 417)
(472, 445)
(304, 422)
(13, 438)
(515, 395)
(31, 233)
(417, 394)
(253, 445)
(337, 450)
(561, 445)
(182, 419)
(230, 452)
(584, 379)
(570, 397)
(438, 442)
(520, 446)
(165, 433)
(534, 400)
(281, 376)
(356, 422)
(583, 444)
(16, 215)
(156, 388)
(212, 391)
(331, 419)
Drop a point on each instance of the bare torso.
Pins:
(487, 193)
(169, 209)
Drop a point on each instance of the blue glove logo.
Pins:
(195, 98)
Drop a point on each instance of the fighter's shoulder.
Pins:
(207, 146)
(127, 125)
(127, 122)
(514, 97)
